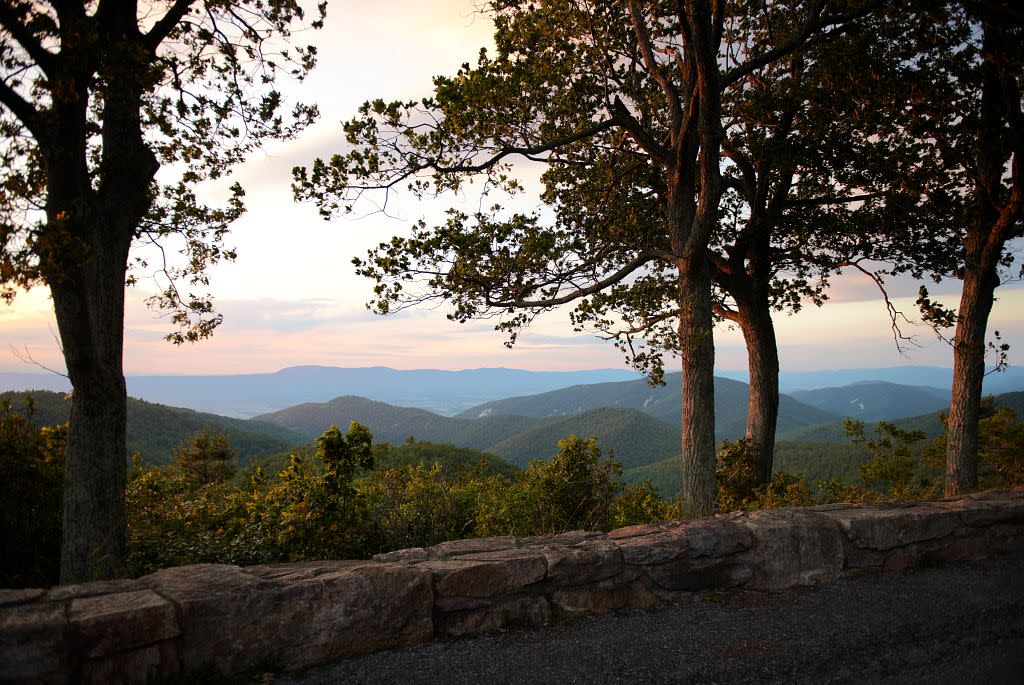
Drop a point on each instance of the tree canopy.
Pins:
(96, 96)
(623, 103)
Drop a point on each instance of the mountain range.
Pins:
(875, 400)
(155, 430)
(246, 395)
(445, 392)
(661, 402)
(639, 422)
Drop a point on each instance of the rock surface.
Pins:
(293, 616)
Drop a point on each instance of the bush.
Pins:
(420, 506)
(31, 489)
(893, 470)
(573, 491)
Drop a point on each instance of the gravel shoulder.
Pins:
(954, 624)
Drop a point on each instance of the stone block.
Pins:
(602, 597)
(34, 644)
(9, 598)
(158, 662)
(507, 614)
(586, 562)
(486, 574)
(93, 588)
(412, 555)
(234, 620)
(888, 526)
(985, 512)
(793, 547)
(103, 624)
(456, 548)
(692, 574)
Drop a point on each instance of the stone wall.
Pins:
(292, 616)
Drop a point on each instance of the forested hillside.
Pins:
(876, 400)
(816, 461)
(661, 402)
(930, 424)
(155, 430)
(635, 437)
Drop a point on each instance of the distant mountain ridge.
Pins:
(662, 402)
(876, 400)
(636, 437)
(447, 392)
(246, 395)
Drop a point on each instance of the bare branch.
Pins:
(895, 315)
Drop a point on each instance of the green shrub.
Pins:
(575, 490)
(420, 506)
(31, 489)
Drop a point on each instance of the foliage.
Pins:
(451, 459)
(736, 474)
(575, 490)
(419, 505)
(306, 514)
(203, 458)
(893, 465)
(1000, 445)
(31, 483)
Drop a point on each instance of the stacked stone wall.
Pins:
(233, 619)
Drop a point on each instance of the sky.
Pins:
(292, 298)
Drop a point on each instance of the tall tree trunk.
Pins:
(89, 305)
(996, 219)
(968, 372)
(755, 321)
(697, 349)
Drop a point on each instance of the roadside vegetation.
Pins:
(345, 497)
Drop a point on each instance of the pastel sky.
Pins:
(291, 298)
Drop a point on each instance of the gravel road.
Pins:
(955, 624)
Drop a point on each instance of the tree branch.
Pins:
(643, 39)
(163, 28)
(15, 25)
(643, 138)
(597, 286)
(27, 114)
(814, 23)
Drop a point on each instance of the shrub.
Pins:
(573, 491)
(31, 489)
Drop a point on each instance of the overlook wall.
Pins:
(292, 616)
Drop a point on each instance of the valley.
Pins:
(634, 420)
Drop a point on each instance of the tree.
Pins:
(202, 458)
(622, 102)
(95, 97)
(966, 99)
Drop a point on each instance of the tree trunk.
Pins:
(968, 372)
(697, 349)
(755, 321)
(89, 305)
(996, 216)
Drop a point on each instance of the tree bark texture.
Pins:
(755, 321)
(996, 218)
(968, 373)
(92, 218)
(697, 349)
(90, 316)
